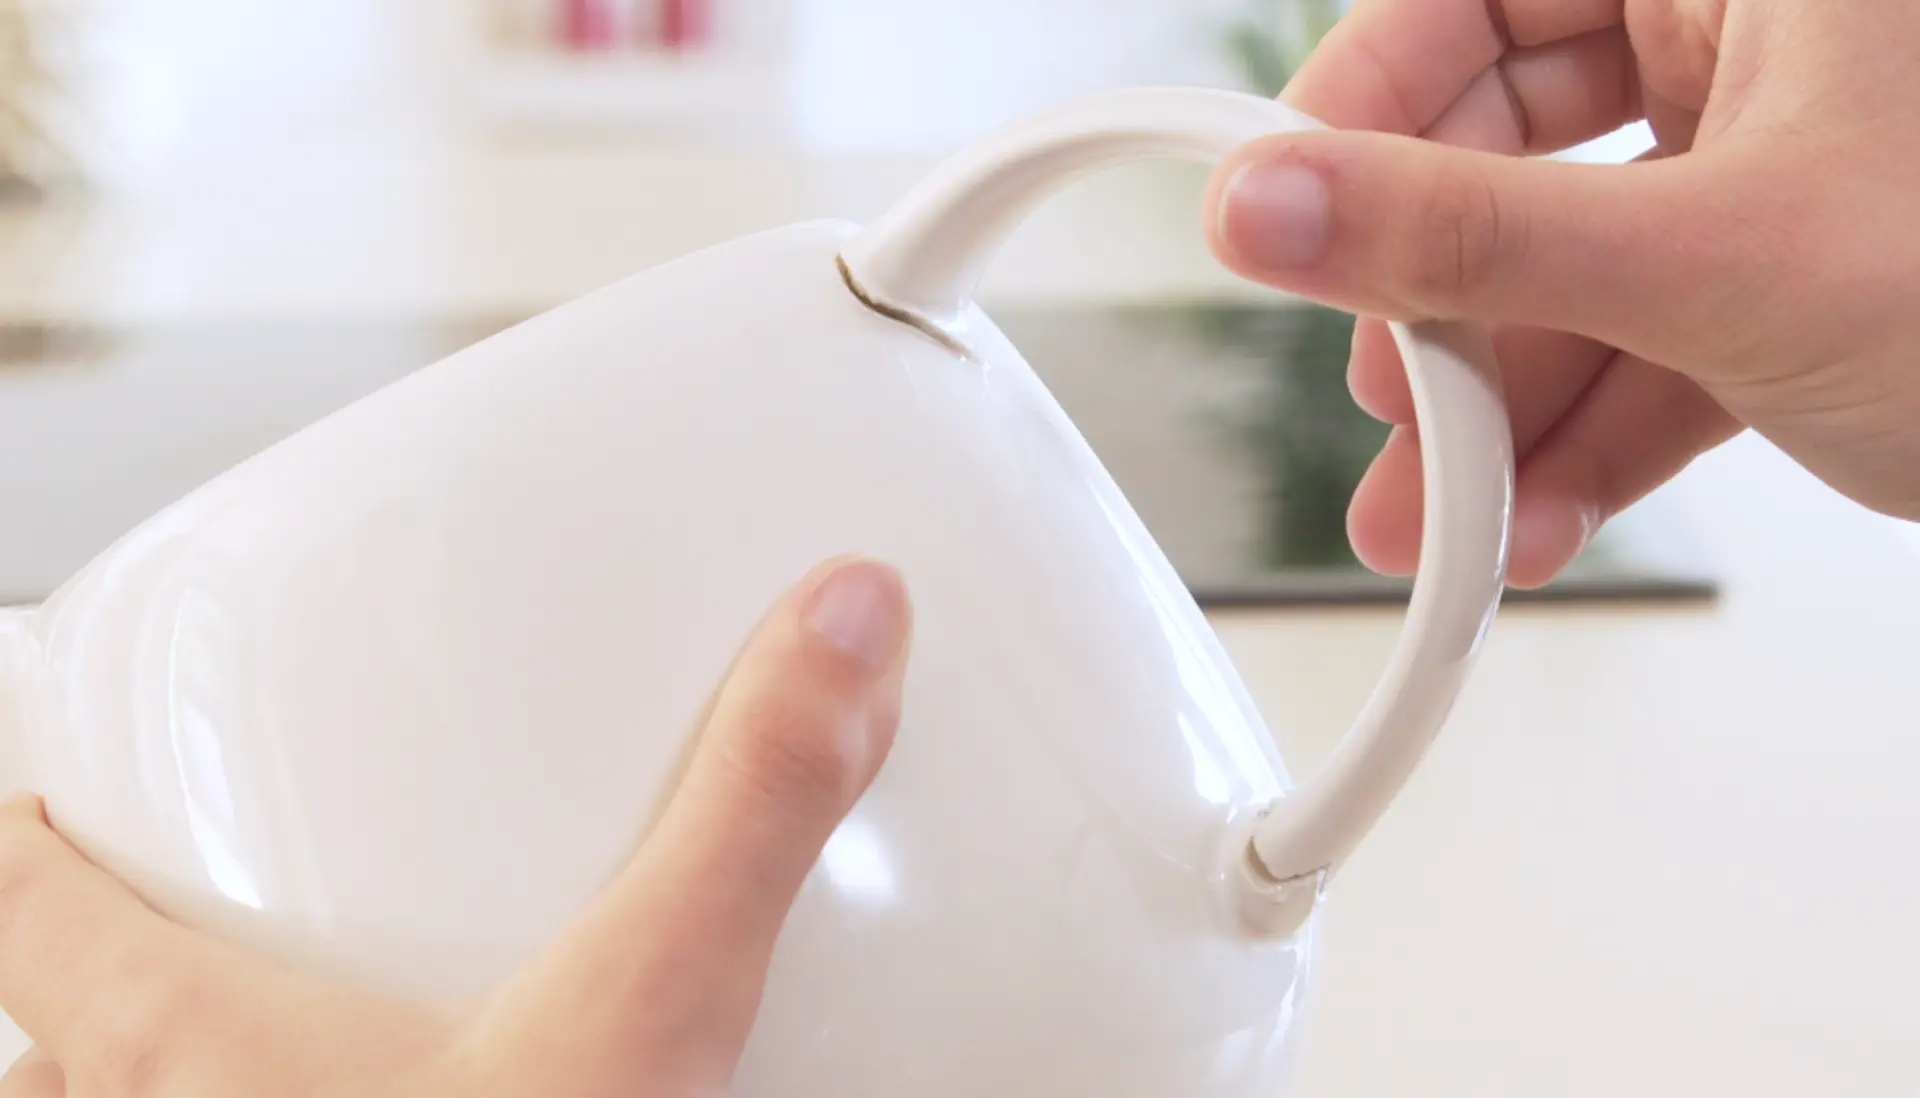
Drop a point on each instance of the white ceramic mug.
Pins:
(393, 698)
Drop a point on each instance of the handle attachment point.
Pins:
(921, 263)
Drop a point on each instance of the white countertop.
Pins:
(1656, 852)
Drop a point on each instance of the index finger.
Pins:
(1397, 65)
(83, 962)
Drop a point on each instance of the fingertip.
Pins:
(1383, 521)
(1375, 375)
(805, 719)
(1281, 211)
(1273, 214)
(1548, 533)
(858, 607)
(1403, 227)
(855, 626)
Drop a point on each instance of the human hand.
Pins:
(1757, 269)
(651, 992)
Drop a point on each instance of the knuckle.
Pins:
(1464, 239)
(794, 752)
(1701, 422)
(124, 1042)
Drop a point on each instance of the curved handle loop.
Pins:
(923, 260)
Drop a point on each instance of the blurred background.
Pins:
(222, 219)
(1662, 845)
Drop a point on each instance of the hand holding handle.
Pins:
(923, 261)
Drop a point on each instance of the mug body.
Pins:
(394, 698)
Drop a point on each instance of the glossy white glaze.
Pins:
(395, 697)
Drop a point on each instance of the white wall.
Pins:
(934, 72)
(169, 85)
(181, 83)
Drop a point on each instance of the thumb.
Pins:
(1404, 228)
(667, 968)
(795, 735)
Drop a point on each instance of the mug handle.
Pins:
(921, 263)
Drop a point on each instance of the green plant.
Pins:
(1272, 40)
(1300, 429)
(1304, 432)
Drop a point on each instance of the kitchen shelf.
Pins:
(627, 90)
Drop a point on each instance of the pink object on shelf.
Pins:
(685, 24)
(589, 24)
